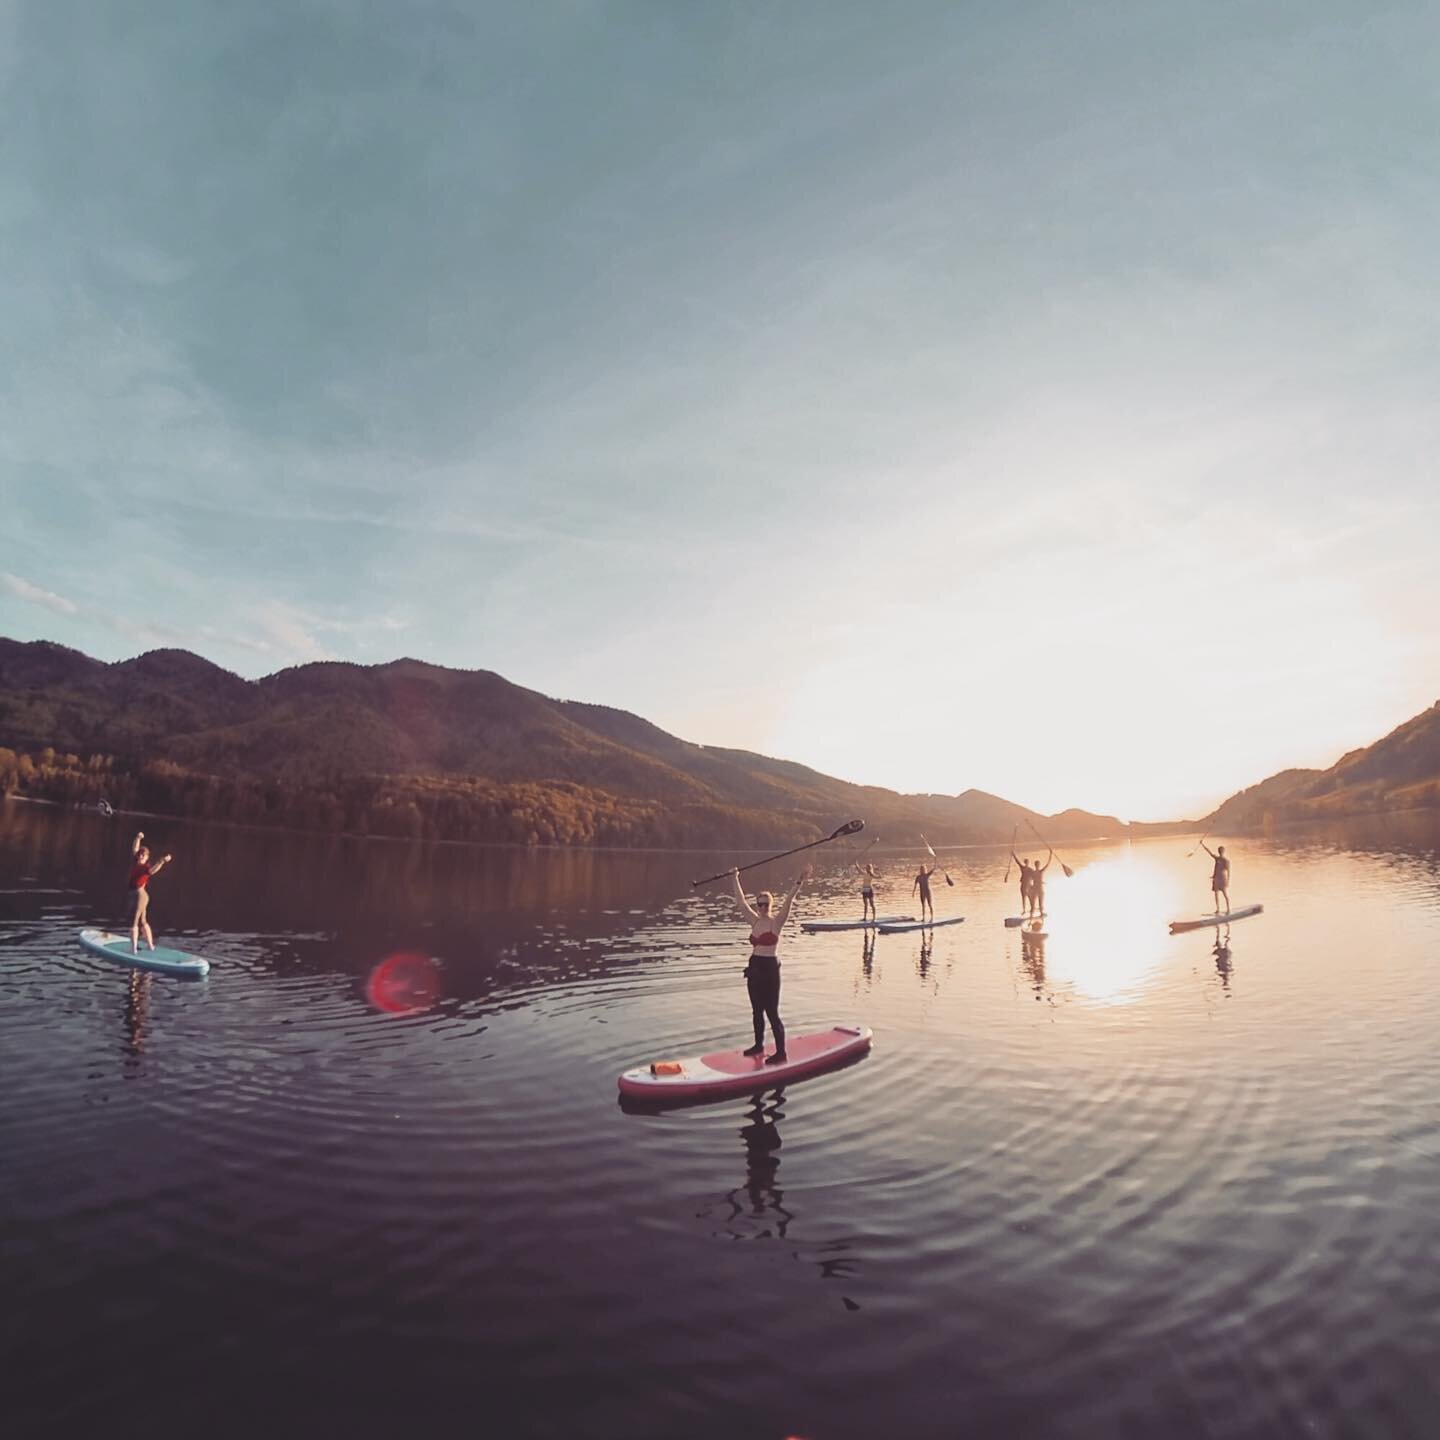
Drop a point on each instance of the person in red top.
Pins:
(140, 873)
(762, 974)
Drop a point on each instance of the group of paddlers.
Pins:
(762, 974)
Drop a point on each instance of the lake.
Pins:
(1111, 1183)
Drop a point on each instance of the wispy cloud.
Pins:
(37, 595)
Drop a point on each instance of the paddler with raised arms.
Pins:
(137, 884)
(1219, 877)
(922, 884)
(868, 876)
(762, 974)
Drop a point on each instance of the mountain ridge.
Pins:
(406, 746)
(411, 748)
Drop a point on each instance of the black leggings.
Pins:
(762, 980)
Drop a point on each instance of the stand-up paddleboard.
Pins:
(1178, 927)
(920, 925)
(1013, 922)
(161, 959)
(729, 1072)
(812, 927)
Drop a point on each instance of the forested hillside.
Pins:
(419, 750)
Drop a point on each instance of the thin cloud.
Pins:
(37, 595)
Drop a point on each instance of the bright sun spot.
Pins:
(1108, 925)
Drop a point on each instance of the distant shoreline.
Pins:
(210, 823)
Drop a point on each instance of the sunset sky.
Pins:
(1039, 398)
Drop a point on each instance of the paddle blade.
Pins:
(1069, 873)
(851, 827)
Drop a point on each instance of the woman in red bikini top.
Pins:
(762, 974)
(140, 873)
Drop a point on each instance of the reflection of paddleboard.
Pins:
(1034, 935)
(1012, 921)
(161, 959)
(920, 925)
(728, 1072)
(1178, 927)
(810, 927)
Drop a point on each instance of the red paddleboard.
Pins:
(729, 1072)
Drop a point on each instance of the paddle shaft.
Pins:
(1049, 847)
(1198, 844)
(1013, 833)
(850, 829)
(936, 859)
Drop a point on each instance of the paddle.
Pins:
(1199, 843)
(1013, 834)
(1068, 871)
(852, 827)
(936, 859)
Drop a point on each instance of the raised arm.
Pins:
(745, 905)
(789, 901)
(1043, 868)
(136, 842)
(1207, 849)
(160, 864)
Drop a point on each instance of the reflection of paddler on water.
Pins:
(1032, 958)
(867, 956)
(1223, 966)
(922, 884)
(761, 1190)
(137, 1012)
(762, 974)
(140, 875)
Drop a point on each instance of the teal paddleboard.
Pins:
(161, 959)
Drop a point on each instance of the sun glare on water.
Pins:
(1108, 925)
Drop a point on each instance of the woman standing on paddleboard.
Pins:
(867, 875)
(140, 873)
(1037, 885)
(1027, 880)
(762, 974)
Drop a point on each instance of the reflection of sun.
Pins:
(1107, 925)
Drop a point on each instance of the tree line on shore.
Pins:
(417, 807)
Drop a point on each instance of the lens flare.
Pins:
(403, 983)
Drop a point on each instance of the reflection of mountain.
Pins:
(419, 750)
(1400, 772)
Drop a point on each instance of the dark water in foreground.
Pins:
(1112, 1184)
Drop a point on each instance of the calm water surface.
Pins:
(1107, 1184)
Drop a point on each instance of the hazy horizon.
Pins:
(1032, 400)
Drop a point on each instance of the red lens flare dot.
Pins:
(403, 983)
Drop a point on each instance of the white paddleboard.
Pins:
(161, 959)
(920, 925)
(1178, 927)
(812, 927)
